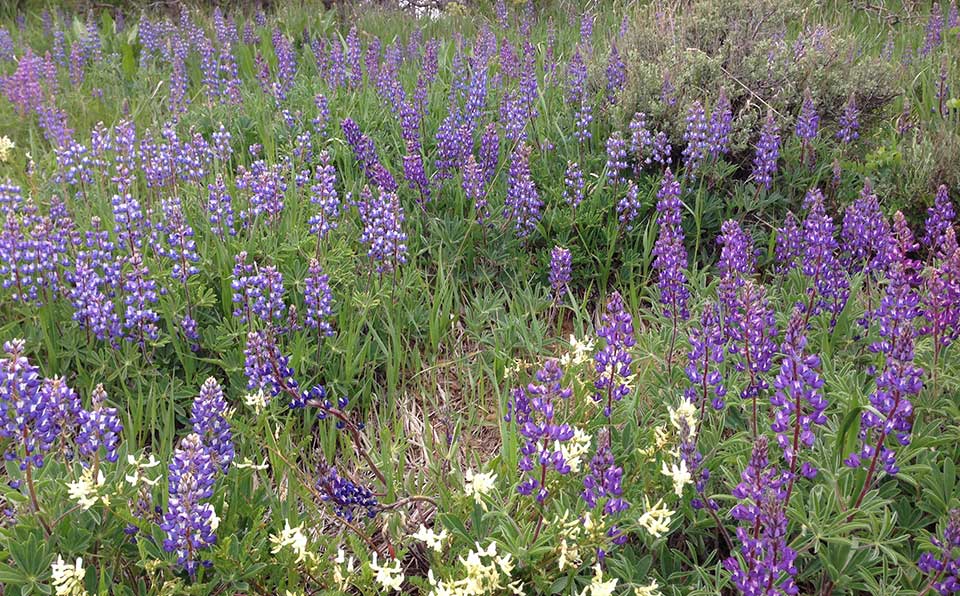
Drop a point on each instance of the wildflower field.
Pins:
(595, 298)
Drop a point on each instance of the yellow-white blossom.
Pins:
(653, 589)
(343, 569)
(388, 575)
(598, 587)
(430, 538)
(5, 146)
(67, 579)
(246, 463)
(479, 485)
(656, 519)
(575, 449)
(679, 474)
(295, 539)
(257, 401)
(580, 351)
(139, 465)
(86, 490)
(686, 411)
(486, 572)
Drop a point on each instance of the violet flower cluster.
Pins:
(533, 410)
(613, 361)
(523, 203)
(670, 255)
(798, 400)
(765, 565)
(560, 274)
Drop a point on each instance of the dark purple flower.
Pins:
(613, 361)
(695, 137)
(319, 299)
(865, 234)
(475, 189)
(829, 284)
(523, 202)
(189, 521)
(939, 218)
(382, 217)
(891, 412)
(220, 208)
(560, 274)
(670, 255)
(533, 411)
(209, 420)
(943, 568)
(324, 195)
(573, 185)
(140, 293)
(808, 123)
(24, 416)
(265, 366)
(345, 495)
(849, 122)
(616, 74)
(628, 208)
(616, 158)
(768, 152)
(721, 123)
(704, 361)
(798, 399)
(414, 173)
(99, 428)
(603, 486)
(934, 33)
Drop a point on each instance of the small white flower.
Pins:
(137, 476)
(247, 464)
(479, 485)
(86, 490)
(5, 146)
(653, 589)
(292, 538)
(390, 576)
(656, 519)
(343, 569)
(598, 587)
(574, 450)
(679, 474)
(68, 579)
(257, 401)
(687, 412)
(430, 538)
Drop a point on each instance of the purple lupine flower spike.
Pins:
(943, 565)
(613, 362)
(940, 217)
(189, 520)
(899, 379)
(704, 361)
(767, 154)
(798, 399)
(616, 158)
(721, 123)
(573, 185)
(696, 138)
(474, 188)
(209, 420)
(670, 255)
(753, 329)
(319, 299)
(849, 122)
(523, 202)
(99, 428)
(560, 273)
(533, 410)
